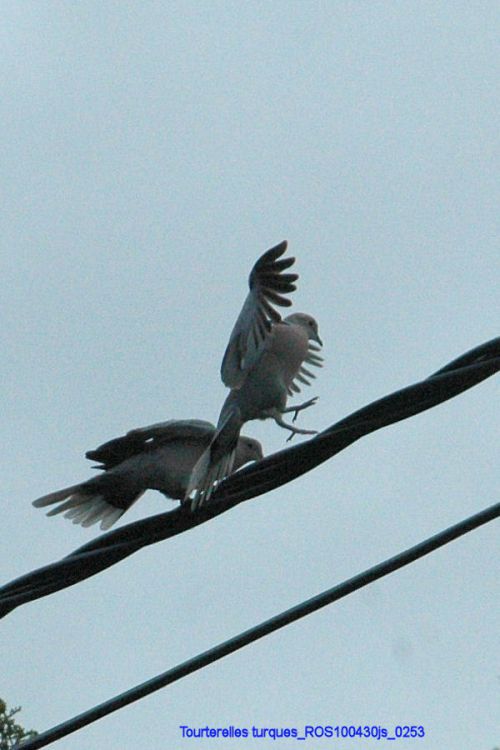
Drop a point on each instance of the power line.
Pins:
(264, 628)
(277, 469)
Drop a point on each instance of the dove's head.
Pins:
(247, 450)
(307, 322)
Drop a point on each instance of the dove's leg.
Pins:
(293, 430)
(295, 409)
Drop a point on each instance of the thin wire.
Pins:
(264, 628)
(277, 469)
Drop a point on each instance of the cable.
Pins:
(277, 469)
(264, 628)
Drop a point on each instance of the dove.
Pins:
(158, 457)
(263, 364)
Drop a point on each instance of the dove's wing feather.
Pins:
(268, 285)
(115, 451)
(173, 429)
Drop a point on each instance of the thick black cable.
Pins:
(277, 469)
(264, 628)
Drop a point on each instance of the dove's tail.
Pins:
(87, 504)
(215, 463)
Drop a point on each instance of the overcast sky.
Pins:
(151, 151)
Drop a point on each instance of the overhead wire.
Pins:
(264, 628)
(274, 470)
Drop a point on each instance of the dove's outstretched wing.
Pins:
(268, 285)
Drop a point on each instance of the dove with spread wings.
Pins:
(264, 362)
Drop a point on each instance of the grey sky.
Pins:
(150, 153)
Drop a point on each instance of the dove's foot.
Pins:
(295, 409)
(296, 431)
(293, 430)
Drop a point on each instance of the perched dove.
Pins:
(262, 365)
(159, 457)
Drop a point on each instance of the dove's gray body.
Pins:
(268, 382)
(159, 457)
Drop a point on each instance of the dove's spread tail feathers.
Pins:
(85, 505)
(216, 462)
(206, 475)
